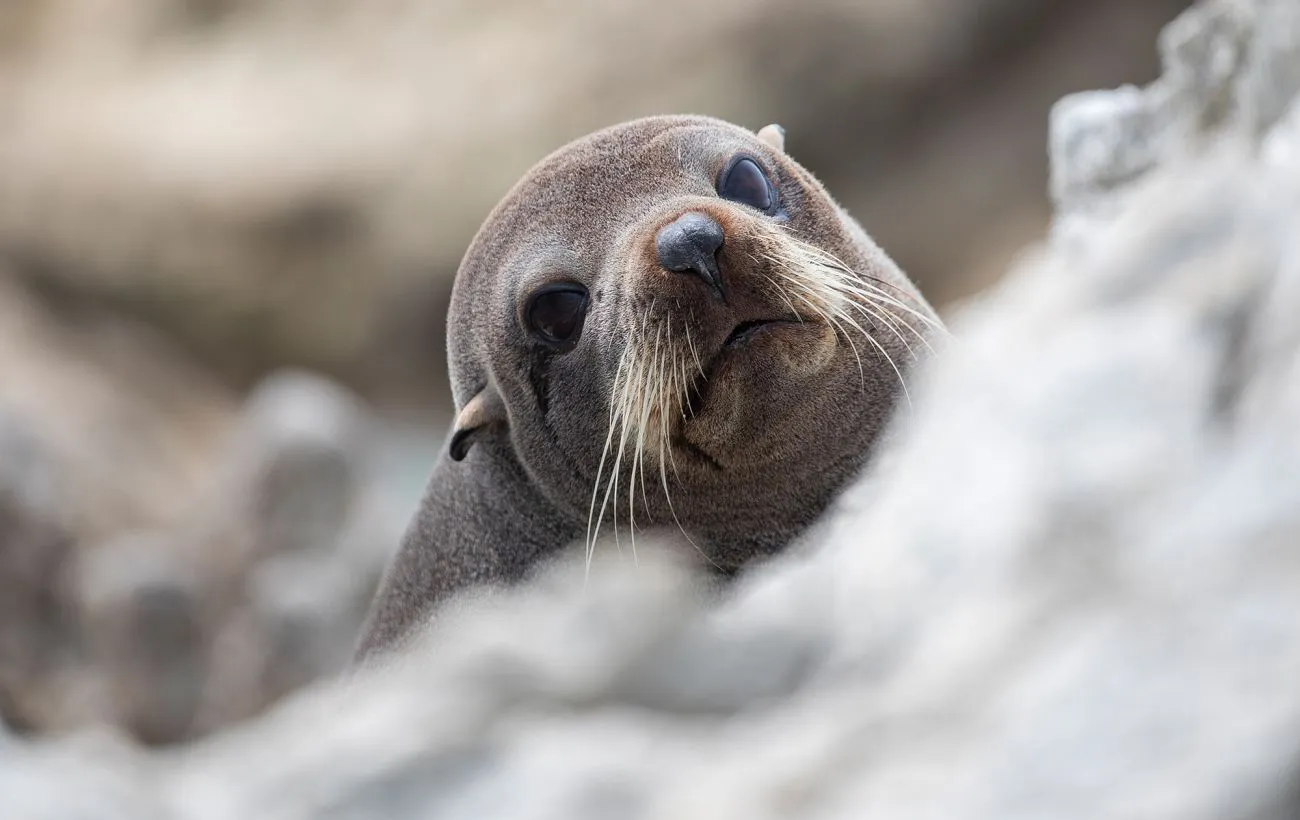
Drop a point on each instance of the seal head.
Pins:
(667, 323)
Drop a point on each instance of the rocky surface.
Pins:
(1067, 590)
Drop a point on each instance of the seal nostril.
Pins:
(690, 245)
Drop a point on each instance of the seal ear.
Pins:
(481, 412)
(773, 135)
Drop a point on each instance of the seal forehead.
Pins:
(615, 173)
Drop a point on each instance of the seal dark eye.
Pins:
(555, 314)
(745, 182)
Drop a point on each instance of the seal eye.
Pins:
(745, 182)
(555, 314)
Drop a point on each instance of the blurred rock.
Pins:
(129, 423)
(1068, 591)
(296, 466)
(143, 620)
(171, 623)
(295, 182)
(297, 538)
(105, 429)
(34, 542)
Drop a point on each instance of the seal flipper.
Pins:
(773, 135)
(481, 412)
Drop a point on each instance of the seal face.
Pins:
(665, 323)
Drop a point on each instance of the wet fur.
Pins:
(608, 434)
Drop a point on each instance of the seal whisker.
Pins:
(832, 315)
(631, 391)
(780, 291)
(863, 300)
(824, 270)
(872, 308)
(616, 397)
(837, 269)
(862, 293)
(663, 476)
(635, 421)
(842, 315)
(881, 315)
(883, 352)
(785, 297)
(633, 426)
(683, 380)
(863, 297)
(625, 433)
(636, 457)
(786, 233)
(663, 470)
(810, 262)
(694, 354)
(862, 375)
(650, 388)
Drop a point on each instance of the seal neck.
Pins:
(480, 522)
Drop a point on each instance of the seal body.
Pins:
(667, 323)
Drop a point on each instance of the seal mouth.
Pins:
(745, 331)
(740, 337)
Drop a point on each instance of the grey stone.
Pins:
(295, 462)
(1104, 139)
(1271, 79)
(144, 621)
(35, 543)
(300, 537)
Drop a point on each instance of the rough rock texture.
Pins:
(1069, 590)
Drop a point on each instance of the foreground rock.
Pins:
(1069, 591)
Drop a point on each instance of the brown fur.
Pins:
(774, 432)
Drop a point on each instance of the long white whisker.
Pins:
(883, 352)
(862, 297)
(694, 355)
(882, 316)
(652, 385)
(835, 269)
(680, 394)
(619, 392)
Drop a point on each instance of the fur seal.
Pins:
(667, 323)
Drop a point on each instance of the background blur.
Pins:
(228, 230)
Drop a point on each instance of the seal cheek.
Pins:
(810, 349)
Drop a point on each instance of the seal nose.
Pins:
(690, 245)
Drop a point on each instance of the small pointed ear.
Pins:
(480, 413)
(773, 135)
